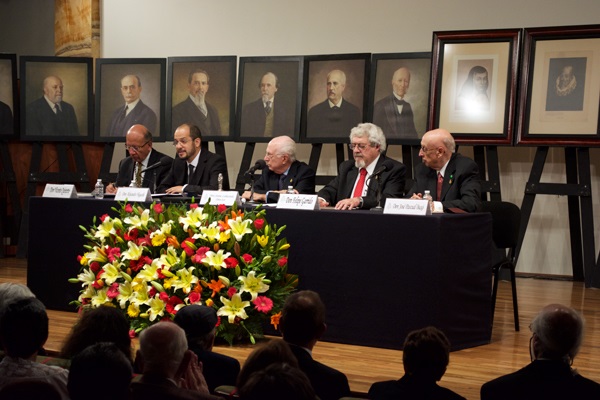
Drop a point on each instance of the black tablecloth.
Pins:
(380, 276)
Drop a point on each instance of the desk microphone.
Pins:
(260, 164)
(166, 160)
(385, 166)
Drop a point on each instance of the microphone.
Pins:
(260, 164)
(166, 160)
(385, 166)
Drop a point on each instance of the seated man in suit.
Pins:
(557, 333)
(302, 323)
(194, 169)
(283, 171)
(353, 187)
(138, 143)
(425, 355)
(451, 178)
(199, 323)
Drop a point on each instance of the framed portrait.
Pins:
(474, 84)
(129, 92)
(399, 95)
(201, 91)
(560, 86)
(335, 96)
(56, 99)
(9, 106)
(268, 99)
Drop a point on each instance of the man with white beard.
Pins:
(265, 117)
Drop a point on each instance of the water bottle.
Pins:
(290, 190)
(220, 182)
(427, 196)
(99, 189)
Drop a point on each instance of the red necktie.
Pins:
(440, 181)
(358, 190)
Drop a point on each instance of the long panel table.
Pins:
(380, 276)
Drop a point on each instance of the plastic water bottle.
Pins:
(290, 190)
(427, 196)
(99, 189)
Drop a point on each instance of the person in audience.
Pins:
(170, 370)
(302, 323)
(557, 334)
(23, 331)
(283, 171)
(194, 170)
(277, 381)
(456, 176)
(355, 186)
(275, 351)
(199, 324)
(425, 357)
(30, 388)
(138, 143)
(133, 112)
(100, 324)
(50, 115)
(10, 291)
(103, 361)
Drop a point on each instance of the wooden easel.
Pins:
(7, 175)
(36, 177)
(581, 218)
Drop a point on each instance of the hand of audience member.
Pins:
(189, 376)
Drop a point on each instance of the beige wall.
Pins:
(158, 28)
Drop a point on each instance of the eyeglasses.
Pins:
(183, 141)
(425, 149)
(135, 148)
(360, 146)
(269, 155)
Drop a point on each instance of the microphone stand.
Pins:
(378, 207)
(251, 189)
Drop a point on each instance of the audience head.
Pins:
(281, 152)
(10, 291)
(187, 140)
(162, 348)
(30, 388)
(23, 327)
(272, 352)
(557, 333)
(302, 319)
(199, 324)
(100, 324)
(366, 142)
(437, 147)
(99, 361)
(277, 381)
(426, 353)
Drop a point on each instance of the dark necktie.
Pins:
(399, 102)
(358, 190)
(123, 114)
(57, 108)
(282, 179)
(268, 108)
(190, 173)
(138, 174)
(440, 181)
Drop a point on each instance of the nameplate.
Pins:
(298, 201)
(216, 197)
(407, 207)
(60, 191)
(133, 194)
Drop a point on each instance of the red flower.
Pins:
(247, 258)
(259, 223)
(163, 296)
(131, 235)
(200, 253)
(171, 303)
(158, 208)
(218, 321)
(282, 261)
(113, 253)
(221, 208)
(145, 241)
(139, 264)
(193, 206)
(151, 292)
(231, 262)
(263, 304)
(128, 208)
(132, 334)
(194, 297)
(113, 291)
(95, 266)
(103, 217)
(231, 291)
(185, 246)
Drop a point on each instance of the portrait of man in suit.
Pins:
(50, 115)
(265, 117)
(393, 113)
(133, 111)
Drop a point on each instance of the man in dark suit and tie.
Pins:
(265, 117)
(133, 112)
(302, 324)
(194, 169)
(138, 143)
(195, 109)
(451, 178)
(353, 187)
(334, 117)
(393, 113)
(283, 171)
(50, 115)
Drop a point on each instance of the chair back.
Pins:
(506, 222)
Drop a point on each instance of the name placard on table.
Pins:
(298, 201)
(60, 191)
(133, 194)
(407, 207)
(216, 197)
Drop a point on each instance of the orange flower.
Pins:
(216, 246)
(275, 319)
(234, 214)
(172, 241)
(198, 289)
(224, 224)
(216, 286)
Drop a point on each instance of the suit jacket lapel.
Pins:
(450, 172)
(199, 170)
(350, 180)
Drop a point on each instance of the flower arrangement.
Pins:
(150, 262)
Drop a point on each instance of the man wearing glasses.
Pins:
(451, 178)
(354, 186)
(138, 143)
(195, 169)
(283, 171)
